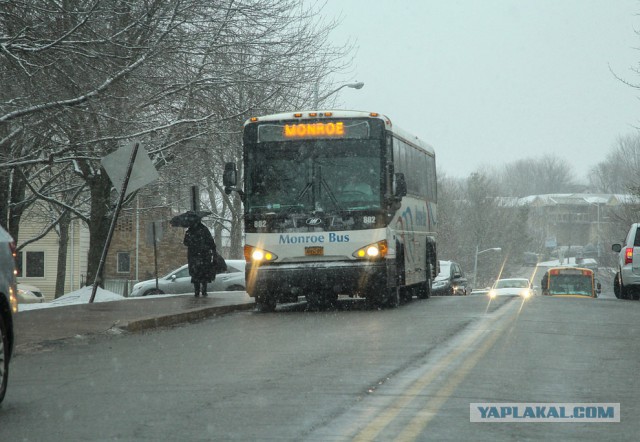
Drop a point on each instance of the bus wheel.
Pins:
(406, 294)
(393, 301)
(424, 288)
(265, 304)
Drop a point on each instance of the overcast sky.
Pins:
(488, 82)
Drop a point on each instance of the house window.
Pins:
(34, 265)
(124, 262)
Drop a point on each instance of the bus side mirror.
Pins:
(230, 175)
(230, 179)
(399, 185)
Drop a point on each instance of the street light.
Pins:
(316, 101)
(475, 265)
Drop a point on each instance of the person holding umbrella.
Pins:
(201, 250)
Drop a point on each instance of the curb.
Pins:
(179, 318)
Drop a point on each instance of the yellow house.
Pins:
(130, 256)
(37, 262)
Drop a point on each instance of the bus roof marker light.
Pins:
(328, 114)
(374, 114)
(297, 115)
(313, 114)
(253, 119)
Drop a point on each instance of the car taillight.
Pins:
(628, 255)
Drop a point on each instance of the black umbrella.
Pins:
(187, 219)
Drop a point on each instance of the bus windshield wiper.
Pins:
(332, 197)
(304, 191)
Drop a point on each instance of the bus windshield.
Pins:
(314, 176)
(570, 285)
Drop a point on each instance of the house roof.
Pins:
(573, 199)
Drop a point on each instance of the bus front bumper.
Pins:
(287, 281)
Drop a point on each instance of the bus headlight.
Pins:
(376, 250)
(258, 255)
(492, 294)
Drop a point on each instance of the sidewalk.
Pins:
(35, 328)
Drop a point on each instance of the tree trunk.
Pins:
(18, 205)
(99, 222)
(236, 230)
(63, 246)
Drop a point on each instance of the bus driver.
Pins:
(355, 187)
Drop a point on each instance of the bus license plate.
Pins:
(314, 251)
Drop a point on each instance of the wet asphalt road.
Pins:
(344, 374)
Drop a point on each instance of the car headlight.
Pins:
(525, 293)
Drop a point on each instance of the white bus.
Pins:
(336, 203)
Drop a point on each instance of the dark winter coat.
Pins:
(201, 250)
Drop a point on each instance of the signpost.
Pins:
(154, 235)
(139, 173)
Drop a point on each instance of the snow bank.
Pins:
(80, 296)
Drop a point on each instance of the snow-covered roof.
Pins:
(577, 199)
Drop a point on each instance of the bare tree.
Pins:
(618, 173)
(179, 75)
(537, 176)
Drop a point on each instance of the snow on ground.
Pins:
(80, 296)
(83, 295)
(569, 262)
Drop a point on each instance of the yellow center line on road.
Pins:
(422, 419)
(385, 417)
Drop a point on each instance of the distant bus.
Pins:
(339, 202)
(570, 281)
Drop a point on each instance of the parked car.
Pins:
(450, 281)
(626, 284)
(178, 281)
(29, 294)
(512, 287)
(8, 306)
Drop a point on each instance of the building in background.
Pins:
(37, 261)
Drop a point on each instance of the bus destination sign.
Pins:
(313, 130)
